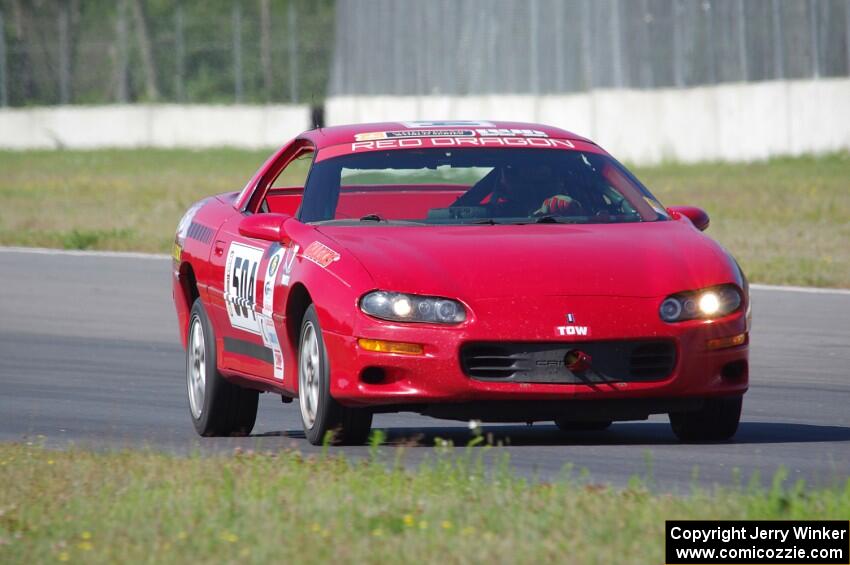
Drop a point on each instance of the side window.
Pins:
(294, 175)
(285, 193)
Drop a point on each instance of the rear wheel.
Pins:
(217, 406)
(320, 413)
(567, 426)
(717, 420)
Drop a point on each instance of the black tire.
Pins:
(567, 426)
(717, 420)
(346, 426)
(226, 409)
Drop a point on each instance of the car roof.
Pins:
(335, 135)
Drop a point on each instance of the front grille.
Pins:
(612, 361)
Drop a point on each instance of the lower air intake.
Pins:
(611, 361)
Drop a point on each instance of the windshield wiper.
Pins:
(372, 218)
(547, 219)
(492, 222)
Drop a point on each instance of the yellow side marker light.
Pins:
(382, 346)
(724, 342)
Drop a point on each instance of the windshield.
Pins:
(475, 186)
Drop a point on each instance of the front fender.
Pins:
(332, 275)
(333, 279)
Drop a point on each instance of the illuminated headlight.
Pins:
(708, 303)
(399, 307)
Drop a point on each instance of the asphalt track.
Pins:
(89, 355)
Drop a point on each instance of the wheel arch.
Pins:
(185, 293)
(296, 305)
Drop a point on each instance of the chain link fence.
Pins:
(193, 51)
(261, 51)
(459, 47)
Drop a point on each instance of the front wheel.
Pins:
(717, 420)
(217, 406)
(321, 415)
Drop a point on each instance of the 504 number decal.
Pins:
(240, 285)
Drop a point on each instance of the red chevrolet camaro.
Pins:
(465, 270)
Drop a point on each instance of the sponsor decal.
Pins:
(273, 263)
(320, 254)
(462, 142)
(288, 260)
(240, 283)
(267, 327)
(269, 334)
(422, 132)
(431, 133)
(448, 124)
(414, 133)
(278, 364)
(269, 284)
(512, 132)
(370, 136)
(570, 329)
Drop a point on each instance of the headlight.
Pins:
(709, 303)
(399, 307)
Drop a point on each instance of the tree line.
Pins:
(198, 51)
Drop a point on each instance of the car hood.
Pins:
(496, 261)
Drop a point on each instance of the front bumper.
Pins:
(420, 382)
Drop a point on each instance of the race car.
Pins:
(467, 270)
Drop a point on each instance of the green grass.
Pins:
(115, 199)
(787, 220)
(88, 507)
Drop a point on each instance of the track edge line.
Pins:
(84, 253)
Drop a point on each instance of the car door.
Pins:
(248, 271)
(236, 269)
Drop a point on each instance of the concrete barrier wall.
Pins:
(729, 122)
(150, 126)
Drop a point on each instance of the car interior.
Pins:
(441, 189)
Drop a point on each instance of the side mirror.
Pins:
(268, 227)
(697, 216)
